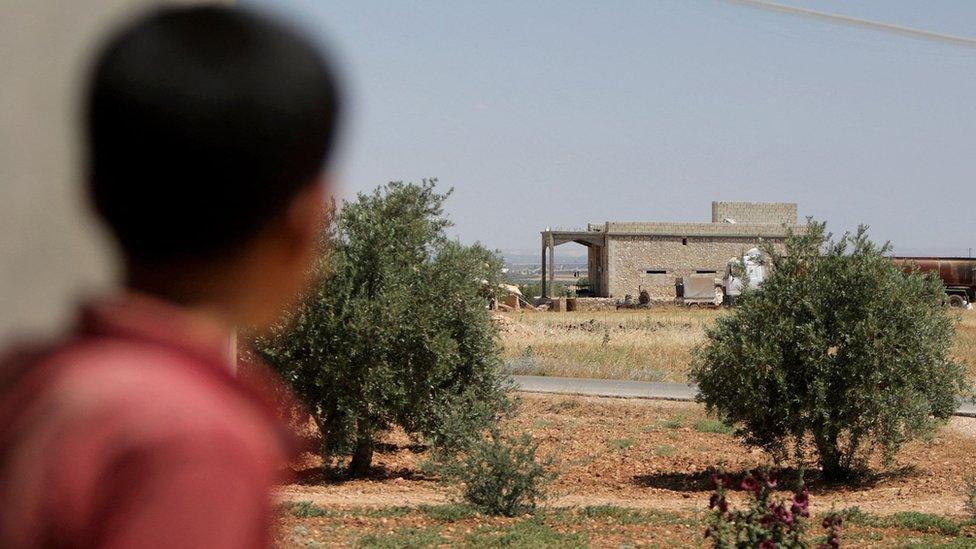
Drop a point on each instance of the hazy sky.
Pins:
(561, 113)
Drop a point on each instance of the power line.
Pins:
(858, 22)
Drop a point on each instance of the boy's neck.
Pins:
(205, 290)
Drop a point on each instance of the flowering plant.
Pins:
(766, 523)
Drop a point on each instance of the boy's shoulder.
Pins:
(88, 419)
(134, 392)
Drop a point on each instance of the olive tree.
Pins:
(838, 348)
(396, 333)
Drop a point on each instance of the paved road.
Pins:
(633, 389)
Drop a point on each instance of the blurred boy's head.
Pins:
(208, 133)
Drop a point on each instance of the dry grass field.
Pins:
(647, 345)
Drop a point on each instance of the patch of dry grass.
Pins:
(646, 345)
(964, 347)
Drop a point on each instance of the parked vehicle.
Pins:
(700, 289)
(742, 272)
(957, 273)
(704, 289)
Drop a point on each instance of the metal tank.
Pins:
(957, 273)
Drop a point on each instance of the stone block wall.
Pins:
(630, 257)
(771, 213)
(716, 230)
(591, 304)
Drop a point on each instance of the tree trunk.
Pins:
(830, 457)
(362, 457)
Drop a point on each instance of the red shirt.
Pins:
(133, 432)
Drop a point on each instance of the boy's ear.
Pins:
(306, 214)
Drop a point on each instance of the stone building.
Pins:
(627, 257)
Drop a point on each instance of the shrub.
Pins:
(451, 512)
(620, 443)
(397, 332)
(709, 425)
(907, 520)
(677, 421)
(499, 474)
(534, 289)
(533, 532)
(838, 347)
(923, 522)
(404, 537)
(854, 515)
(765, 523)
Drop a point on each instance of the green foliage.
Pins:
(970, 494)
(855, 515)
(451, 512)
(676, 421)
(923, 522)
(386, 512)
(838, 345)
(534, 289)
(499, 474)
(406, 538)
(907, 520)
(620, 443)
(397, 332)
(709, 425)
(624, 515)
(530, 289)
(305, 509)
(962, 542)
(527, 533)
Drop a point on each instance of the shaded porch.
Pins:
(595, 242)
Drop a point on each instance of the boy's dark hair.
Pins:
(202, 124)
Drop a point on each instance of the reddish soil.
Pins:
(653, 455)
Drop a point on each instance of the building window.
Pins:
(706, 272)
(684, 241)
(656, 271)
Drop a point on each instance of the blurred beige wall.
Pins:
(50, 251)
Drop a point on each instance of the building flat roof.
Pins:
(622, 228)
(644, 228)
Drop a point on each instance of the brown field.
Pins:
(648, 345)
(631, 473)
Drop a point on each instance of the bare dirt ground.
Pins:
(657, 457)
(654, 454)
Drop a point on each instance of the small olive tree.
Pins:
(397, 332)
(838, 348)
